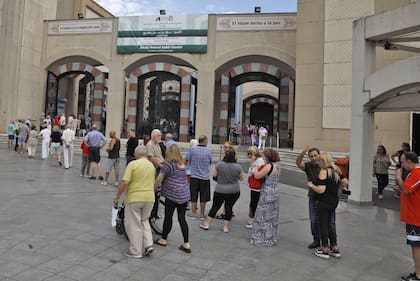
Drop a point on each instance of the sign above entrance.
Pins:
(163, 33)
(257, 22)
(79, 27)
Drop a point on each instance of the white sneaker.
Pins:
(130, 255)
(116, 184)
(248, 225)
(321, 254)
(104, 183)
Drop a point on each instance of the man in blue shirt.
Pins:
(200, 159)
(169, 140)
(95, 140)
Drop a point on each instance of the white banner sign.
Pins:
(247, 23)
(79, 27)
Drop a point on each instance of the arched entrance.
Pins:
(261, 109)
(161, 95)
(77, 88)
(229, 78)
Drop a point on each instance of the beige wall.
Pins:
(309, 73)
(69, 9)
(222, 47)
(324, 65)
(20, 65)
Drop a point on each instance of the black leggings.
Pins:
(382, 182)
(327, 232)
(228, 199)
(255, 197)
(170, 207)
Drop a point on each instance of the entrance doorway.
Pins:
(159, 102)
(262, 114)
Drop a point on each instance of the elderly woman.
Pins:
(138, 184)
(266, 220)
(174, 187)
(227, 189)
(32, 142)
(326, 200)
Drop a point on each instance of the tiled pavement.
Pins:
(55, 225)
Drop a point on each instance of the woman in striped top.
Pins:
(173, 181)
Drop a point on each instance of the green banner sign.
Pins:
(164, 33)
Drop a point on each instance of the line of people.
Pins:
(182, 180)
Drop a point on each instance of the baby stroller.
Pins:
(119, 227)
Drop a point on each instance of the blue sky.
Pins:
(152, 7)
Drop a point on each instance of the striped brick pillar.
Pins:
(185, 94)
(224, 102)
(132, 102)
(98, 97)
(284, 111)
(184, 108)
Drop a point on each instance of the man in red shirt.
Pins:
(410, 211)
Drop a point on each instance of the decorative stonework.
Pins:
(279, 121)
(98, 95)
(269, 100)
(185, 94)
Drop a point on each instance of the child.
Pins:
(85, 161)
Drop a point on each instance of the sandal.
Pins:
(157, 241)
(186, 250)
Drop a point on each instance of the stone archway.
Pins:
(261, 99)
(185, 94)
(268, 70)
(99, 78)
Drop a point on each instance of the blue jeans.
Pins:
(314, 221)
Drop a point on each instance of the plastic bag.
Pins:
(114, 216)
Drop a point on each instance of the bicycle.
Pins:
(155, 220)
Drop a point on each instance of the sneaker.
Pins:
(116, 184)
(81, 175)
(86, 176)
(149, 250)
(321, 254)
(397, 195)
(128, 254)
(314, 245)
(92, 178)
(104, 183)
(204, 226)
(202, 218)
(410, 277)
(335, 253)
(191, 216)
(101, 178)
(248, 225)
(380, 197)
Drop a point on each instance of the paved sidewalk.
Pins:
(56, 226)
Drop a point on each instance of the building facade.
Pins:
(294, 75)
